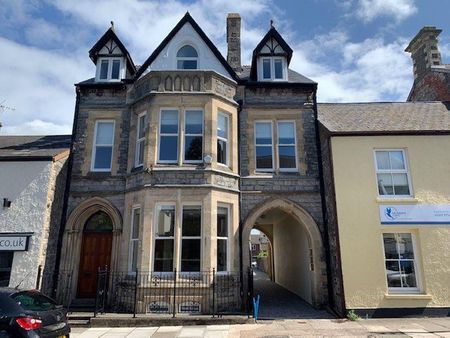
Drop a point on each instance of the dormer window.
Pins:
(273, 69)
(109, 69)
(187, 58)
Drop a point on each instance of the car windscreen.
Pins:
(34, 301)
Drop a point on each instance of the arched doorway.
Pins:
(95, 252)
(298, 253)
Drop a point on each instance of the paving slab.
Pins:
(192, 332)
(142, 332)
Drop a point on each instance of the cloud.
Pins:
(369, 10)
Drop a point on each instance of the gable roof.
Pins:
(272, 33)
(187, 18)
(111, 35)
(38, 148)
(431, 117)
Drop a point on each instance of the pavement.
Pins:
(383, 328)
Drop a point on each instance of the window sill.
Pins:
(393, 200)
(408, 296)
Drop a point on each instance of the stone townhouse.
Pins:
(176, 160)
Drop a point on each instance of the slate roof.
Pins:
(34, 147)
(293, 76)
(385, 117)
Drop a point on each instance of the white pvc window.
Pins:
(223, 228)
(102, 149)
(187, 58)
(400, 262)
(164, 239)
(134, 238)
(140, 140)
(222, 138)
(193, 136)
(168, 136)
(286, 145)
(264, 146)
(109, 69)
(392, 173)
(191, 238)
(273, 69)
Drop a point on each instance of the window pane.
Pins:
(390, 246)
(264, 157)
(192, 218)
(266, 69)
(278, 65)
(105, 132)
(400, 184)
(393, 274)
(166, 221)
(187, 64)
(222, 222)
(104, 69)
(115, 73)
(163, 255)
(287, 156)
(263, 133)
(405, 246)
(168, 148)
(190, 255)
(397, 161)
(385, 184)
(141, 152)
(382, 160)
(34, 301)
(169, 122)
(222, 126)
(141, 131)
(136, 222)
(103, 157)
(221, 255)
(222, 151)
(194, 122)
(187, 51)
(286, 133)
(134, 255)
(193, 148)
(6, 259)
(408, 274)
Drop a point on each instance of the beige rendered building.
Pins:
(387, 183)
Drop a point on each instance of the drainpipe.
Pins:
(66, 195)
(241, 258)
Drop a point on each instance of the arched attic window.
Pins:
(187, 58)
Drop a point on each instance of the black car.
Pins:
(28, 313)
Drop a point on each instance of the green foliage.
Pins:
(351, 315)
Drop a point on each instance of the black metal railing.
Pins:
(170, 293)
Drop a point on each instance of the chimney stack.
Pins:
(424, 51)
(234, 40)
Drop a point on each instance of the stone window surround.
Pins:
(225, 140)
(134, 239)
(275, 146)
(227, 238)
(94, 145)
(139, 140)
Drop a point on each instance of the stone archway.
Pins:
(314, 239)
(73, 235)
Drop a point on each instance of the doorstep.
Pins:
(121, 320)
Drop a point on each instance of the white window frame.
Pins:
(401, 290)
(186, 134)
(180, 256)
(186, 58)
(393, 171)
(110, 63)
(226, 140)
(227, 239)
(140, 140)
(264, 145)
(95, 145)
(179, 145)
(272, 68)
(133, 240)
(158, 207)
(287, 145)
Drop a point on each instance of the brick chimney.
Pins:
(234, 40)
(424, 51)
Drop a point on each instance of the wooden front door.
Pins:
(95, 253)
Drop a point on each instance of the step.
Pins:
(79, 322)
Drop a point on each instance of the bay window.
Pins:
(168, 136)
(223, 219)
(264, 146)
(222, 138)
(400, 262)
(191, 238)
(134, 238)
(164, 238)
(103, 146)
(193, 136)
(140, 140)
(392, 173)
